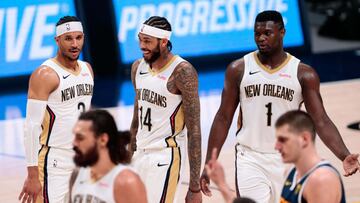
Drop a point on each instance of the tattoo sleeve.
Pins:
(186, 80)
(135, 120)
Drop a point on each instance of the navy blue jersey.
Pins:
(292, 190)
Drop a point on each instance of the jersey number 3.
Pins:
(147, 119)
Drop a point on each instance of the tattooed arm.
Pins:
(186, 81)
(135, 120)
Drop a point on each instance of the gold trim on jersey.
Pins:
(43, 176)
(172, 176)
(76, 73)
(47, 124)
(153, 72)
(265, 68)
(177, 120)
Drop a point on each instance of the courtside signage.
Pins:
(203, 27)
(27, 30)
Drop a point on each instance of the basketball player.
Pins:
(101, 154)
(166, 114)
(59, 90)
(312, 179)
(267, 83)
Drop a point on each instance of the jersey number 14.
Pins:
(147, 119)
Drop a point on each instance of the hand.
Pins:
(214, 169)
(205, 183)
(31, 189)
(194, 197)
(351, 164)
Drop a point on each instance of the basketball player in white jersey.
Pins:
(166, 114)
(59, 90)
(267, 83)
(102, 157)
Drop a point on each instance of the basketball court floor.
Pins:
(341, 100)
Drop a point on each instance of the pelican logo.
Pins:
(67, 25)
(354, 126)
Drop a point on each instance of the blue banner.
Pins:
(27, 30)
(203, 27)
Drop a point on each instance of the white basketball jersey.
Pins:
(65, 104)
(160, 112)
(101, 191)
(264, 96)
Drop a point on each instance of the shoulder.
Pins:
(235, 71)
(44, 74)
(306, 73)
(89, 67)
(237, 65)
(126, 178)
(323, 180)
(323, 175)
(135, 65)
(185, 68)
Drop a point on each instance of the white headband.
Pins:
(155, 32)
(73, 26)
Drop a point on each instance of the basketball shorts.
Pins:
(259, 176)
(55, 168)
(161, 171)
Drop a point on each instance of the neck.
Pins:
(307, 161)
(67, 63)
(102, 167)
(161, 61)
(274, 59)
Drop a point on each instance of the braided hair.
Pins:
(161, 23)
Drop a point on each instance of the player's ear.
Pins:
(103, 139)
(163, 42)
(306, 138)
(57, 40)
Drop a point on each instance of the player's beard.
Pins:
(155, 54)
(88, 158)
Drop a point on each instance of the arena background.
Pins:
(208, 33)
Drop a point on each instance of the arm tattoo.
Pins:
(135, 120)
(186, 80)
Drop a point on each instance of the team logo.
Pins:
(161, 77)
(284, 75)
(67, 26)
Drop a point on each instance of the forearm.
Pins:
(218, 134)
(330, 135)
(194, 154)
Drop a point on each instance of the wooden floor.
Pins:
(342, 102)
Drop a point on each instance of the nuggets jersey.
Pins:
(160, 112)
(102, 191)
(293, 190)
(264, 96)
(65, 104)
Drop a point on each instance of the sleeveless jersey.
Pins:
(65, 104)
(264, 96)
(293, 190)
(160, 112)
(101, 191)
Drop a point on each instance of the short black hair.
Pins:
(161, 23)
(66, 19)
(298, 121)
(103, 122)
(270, 15)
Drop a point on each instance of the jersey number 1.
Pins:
(269, 114)
(147, 119)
